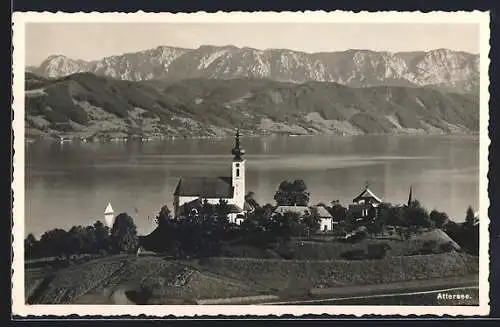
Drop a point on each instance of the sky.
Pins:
(93, 41)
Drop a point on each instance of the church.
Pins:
(191, 190)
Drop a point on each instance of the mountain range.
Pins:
(443, 69)
(88, 104)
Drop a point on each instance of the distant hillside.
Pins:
(87, 104)
(441, 68)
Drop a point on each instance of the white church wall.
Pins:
(326, 224)
(238, 178)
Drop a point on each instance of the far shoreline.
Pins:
(108, 138)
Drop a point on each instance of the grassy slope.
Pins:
(292, 276)
(213, 106)
(328, 249)
(95, 281)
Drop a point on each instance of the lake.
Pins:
(70, 184)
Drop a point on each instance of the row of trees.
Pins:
(93, 239)
(204, 227)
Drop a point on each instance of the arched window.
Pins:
(238, 172)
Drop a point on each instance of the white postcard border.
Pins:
(20, 19)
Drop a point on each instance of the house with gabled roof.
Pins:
(365, 205)
(326, 219)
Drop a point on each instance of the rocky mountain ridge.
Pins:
(446, 70)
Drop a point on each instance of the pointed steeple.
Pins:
(237, 151)
(410, 196)
(109, 209)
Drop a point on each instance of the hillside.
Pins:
(86, 104)
(154, 280)
(441, 68)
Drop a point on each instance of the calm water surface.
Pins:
(70, 184)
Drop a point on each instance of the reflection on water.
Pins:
(71, 183)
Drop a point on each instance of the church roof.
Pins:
(367, 193)
(205, 187)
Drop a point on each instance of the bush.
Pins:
(446, 247)
(353, 255)
(429, 246)
(377, 251)
(124, 234)
(359, 236)
(288, 255)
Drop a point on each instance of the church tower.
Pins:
(238, 175)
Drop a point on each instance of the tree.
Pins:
(470, 217)
(396, 216)
(250, 199)
(417, 216)
(163, 218)
(30, 245)
(54, 243)
(438, 218)
(75, 240)
(287, 225)
(221, 211)
(292, 193)
(124, 234)
(338, 212)
(101, 236)
(312, 221)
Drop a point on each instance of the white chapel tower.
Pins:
(238, 172)
(109, 215)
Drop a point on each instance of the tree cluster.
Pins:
(93, 239)
(466, 234)
(198, 232)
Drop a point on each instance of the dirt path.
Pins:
(384, 290)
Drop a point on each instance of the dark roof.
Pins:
(233, 208)
(205, 187)
(247, 206)
(301, 210)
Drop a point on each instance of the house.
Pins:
(365, 205)
(326, 219)
(327, 223)
(214, 189)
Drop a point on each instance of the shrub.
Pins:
(429, 247)
(377, 251)
(353, 255)
(446, 247)
(124, 234)
(359, 236)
